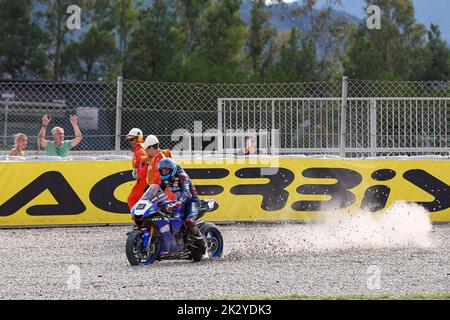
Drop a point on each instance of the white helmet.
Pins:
(150, 141)
(135, 132)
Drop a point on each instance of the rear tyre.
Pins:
(214, 240)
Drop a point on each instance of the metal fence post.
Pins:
(343, 132)
(272, 130)
(118, 113)
(220, 126)
(373, 128)
(5, 131)
(8, 97)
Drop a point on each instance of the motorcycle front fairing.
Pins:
(148, 204)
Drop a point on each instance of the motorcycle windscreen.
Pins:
(154, 194)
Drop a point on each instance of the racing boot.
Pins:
(200, 242)
(198, 236)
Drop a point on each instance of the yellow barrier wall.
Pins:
(95, 192)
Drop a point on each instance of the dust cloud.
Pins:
(403, 225)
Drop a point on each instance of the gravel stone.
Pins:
(39, 264)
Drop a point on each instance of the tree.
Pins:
(101, 12)
(92, 56)
(260, 33)
(437, 61)
(222, 37)
(125, 13)
(89, 56)
(297, 61)
(22, 42)
(188, 13)
(324, 28)
(394, 51)
(152, 45)
(55, 15)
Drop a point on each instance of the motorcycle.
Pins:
(143, 245)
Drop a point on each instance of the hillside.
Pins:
(279, 18)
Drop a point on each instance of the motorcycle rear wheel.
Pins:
(214, 240)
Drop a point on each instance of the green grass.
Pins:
(346, 297)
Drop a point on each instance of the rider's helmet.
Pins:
(170, 169)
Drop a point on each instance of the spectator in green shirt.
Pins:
(59, 146)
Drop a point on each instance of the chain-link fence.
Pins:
(163, 108)
(348, 117)
(24, 103)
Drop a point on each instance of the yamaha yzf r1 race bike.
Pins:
(144, 243)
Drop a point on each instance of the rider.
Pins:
(175, 178)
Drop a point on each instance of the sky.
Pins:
(427, 11)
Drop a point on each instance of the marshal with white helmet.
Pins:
(135, 132)
(151, 140)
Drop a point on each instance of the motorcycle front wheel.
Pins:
(136, 253)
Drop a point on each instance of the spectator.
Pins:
(59, 146)
(20, 143)
(251, 146)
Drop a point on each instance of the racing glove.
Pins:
(171, 206)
